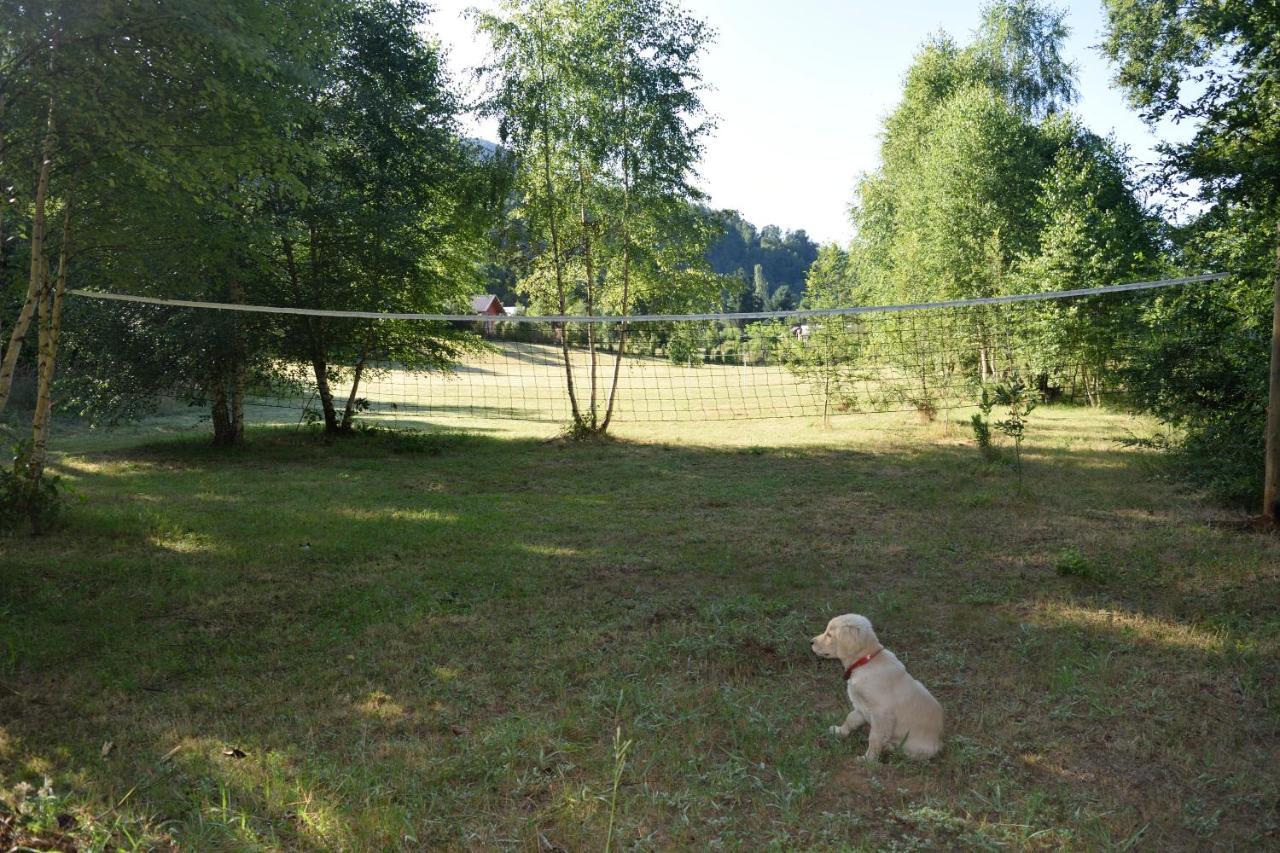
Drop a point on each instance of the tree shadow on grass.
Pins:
(431, 641)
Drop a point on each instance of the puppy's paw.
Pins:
(871, 758)
(838, 732)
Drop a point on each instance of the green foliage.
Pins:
(825, 351)
(1019, 45)
(32, 811)
(981, 433)
(1213, 65)
(685, 345)
(988, 188)
(1071, 563)
(784, 259)
(599, 102)
(1203, 367)
(161, 124)
(980, 423)
(1018, 402)
(28, 496)
(763, 341)
(302, 153)
(1016, 398)
(396, 206)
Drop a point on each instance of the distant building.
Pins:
(801, 331)
(513, 310)
(487, 304)
(490, 306)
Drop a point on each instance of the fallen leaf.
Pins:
(107, 746)
(234, 752)
(460, 730)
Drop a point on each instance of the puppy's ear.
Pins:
(852, 631)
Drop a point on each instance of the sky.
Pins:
(800, 89)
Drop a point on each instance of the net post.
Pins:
(1271, 481)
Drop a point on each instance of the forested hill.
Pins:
(764, 261)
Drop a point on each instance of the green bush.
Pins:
(1071, 563)
(981, 433)
(1201, 363)
(34, 499)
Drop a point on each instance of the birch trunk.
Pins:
(556, 255)
(626, 268)
(36, 282)
(592, 420)
(50, 329)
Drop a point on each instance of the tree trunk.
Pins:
(223, 434)
(37, 281)
(321, 368)
(592, 420)
(44, 352)
(349, 413)
(4, 192)
(16, 337)
(237, 369)
(1271, 470)
(556, 256)
(826, 400)
(49, 331)
(626, 273)
(237, 404)
(320, 365)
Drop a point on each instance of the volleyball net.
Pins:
(407, 369)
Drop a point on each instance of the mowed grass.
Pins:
(442, 641)
(526, 381)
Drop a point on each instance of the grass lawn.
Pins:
(526, 381)
(444, 641)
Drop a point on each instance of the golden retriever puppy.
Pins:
(899, 708)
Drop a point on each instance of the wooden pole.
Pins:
(1271, 483)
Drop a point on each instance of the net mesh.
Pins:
(927, 360)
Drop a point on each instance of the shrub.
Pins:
(1201, 363)
(24, 496)
(1071, 563)
(981, 433)
(1019, 404)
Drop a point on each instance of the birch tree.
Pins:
(599, 100)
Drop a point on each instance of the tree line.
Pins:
(989, 185)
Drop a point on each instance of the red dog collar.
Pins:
(859, 662)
